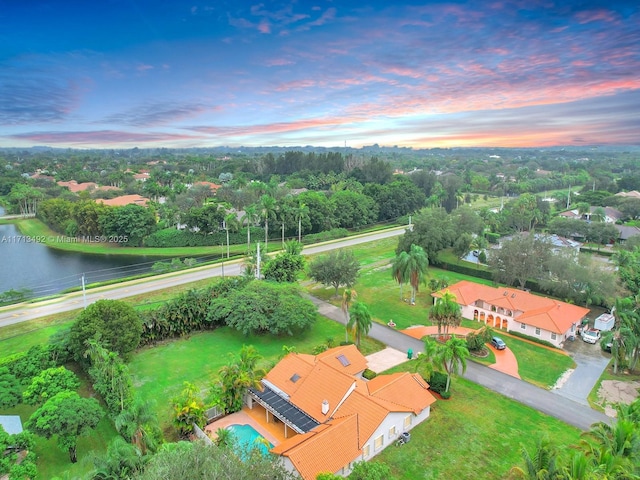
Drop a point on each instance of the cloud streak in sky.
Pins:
(250, 73)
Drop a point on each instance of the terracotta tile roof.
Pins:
(356, 407)
(76, 187)
(403, 389)
(339, 356)
(326, 449)
(125, 200)
(543, 312)
(212, 186)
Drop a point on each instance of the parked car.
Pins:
(606, 346)
(590, 335)
(498, 343)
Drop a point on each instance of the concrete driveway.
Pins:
(591, 362)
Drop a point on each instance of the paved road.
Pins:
(23, 312)
(557, 406)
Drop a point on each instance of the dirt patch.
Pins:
(616, 391)
(563, 378)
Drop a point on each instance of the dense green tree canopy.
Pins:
(433, 230)
(67, 416)
(198, 461)
(115, 324)
(352, 209)
(49, 383)
(129, 224)
(519, 258)
(10, 391)
(264, 307)
(337, 268)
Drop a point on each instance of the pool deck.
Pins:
(256, 418)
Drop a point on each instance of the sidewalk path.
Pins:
(506, 361)
(557, 406)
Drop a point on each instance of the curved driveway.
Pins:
(557, 406)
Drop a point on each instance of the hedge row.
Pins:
(332, 234)
(171, 237)
(532, 339)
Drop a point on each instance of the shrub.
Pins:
(532, 339)
(369, 374)
(492, 237)
(438, 382)
(445, 395)
(326, 236)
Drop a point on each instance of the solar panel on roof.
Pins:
(294, 416)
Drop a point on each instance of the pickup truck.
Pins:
(590, 335)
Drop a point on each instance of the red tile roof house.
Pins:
(333, 417)
(516, 310)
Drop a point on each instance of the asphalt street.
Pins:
(23, 312)
(558, 406)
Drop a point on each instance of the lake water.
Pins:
(46, 271)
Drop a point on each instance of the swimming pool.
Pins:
(248, 437)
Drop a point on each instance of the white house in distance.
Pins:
(331, 416)
(516, 310)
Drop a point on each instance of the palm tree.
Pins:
(426, 361)
(446, 312)
(417, 265)
(301, 212)
(542, 465)
(453, 356)
(359, 321)
(348, 296)
(268, 209)
(139, 424)
(399, 269)
(230, 222)
(614, 449)
(249, 219)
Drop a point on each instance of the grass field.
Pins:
(477, 434)
(160, 371)
(22, 336)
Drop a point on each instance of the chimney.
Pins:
(325, 407)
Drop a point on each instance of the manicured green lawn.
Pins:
(475, 434)
(381, 293)
(538, 365)
(22, 336)
(160, 371)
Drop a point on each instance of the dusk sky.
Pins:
(173, 73)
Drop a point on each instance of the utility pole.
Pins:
(84, 293)
(222, 256)
(258, 262)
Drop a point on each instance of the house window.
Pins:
(367, 450)
(537, 331)
(553, 336)
(523, 326)
(392, 432)
(510, 313)
(407, 421)
(493, 308)
(378, 442)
